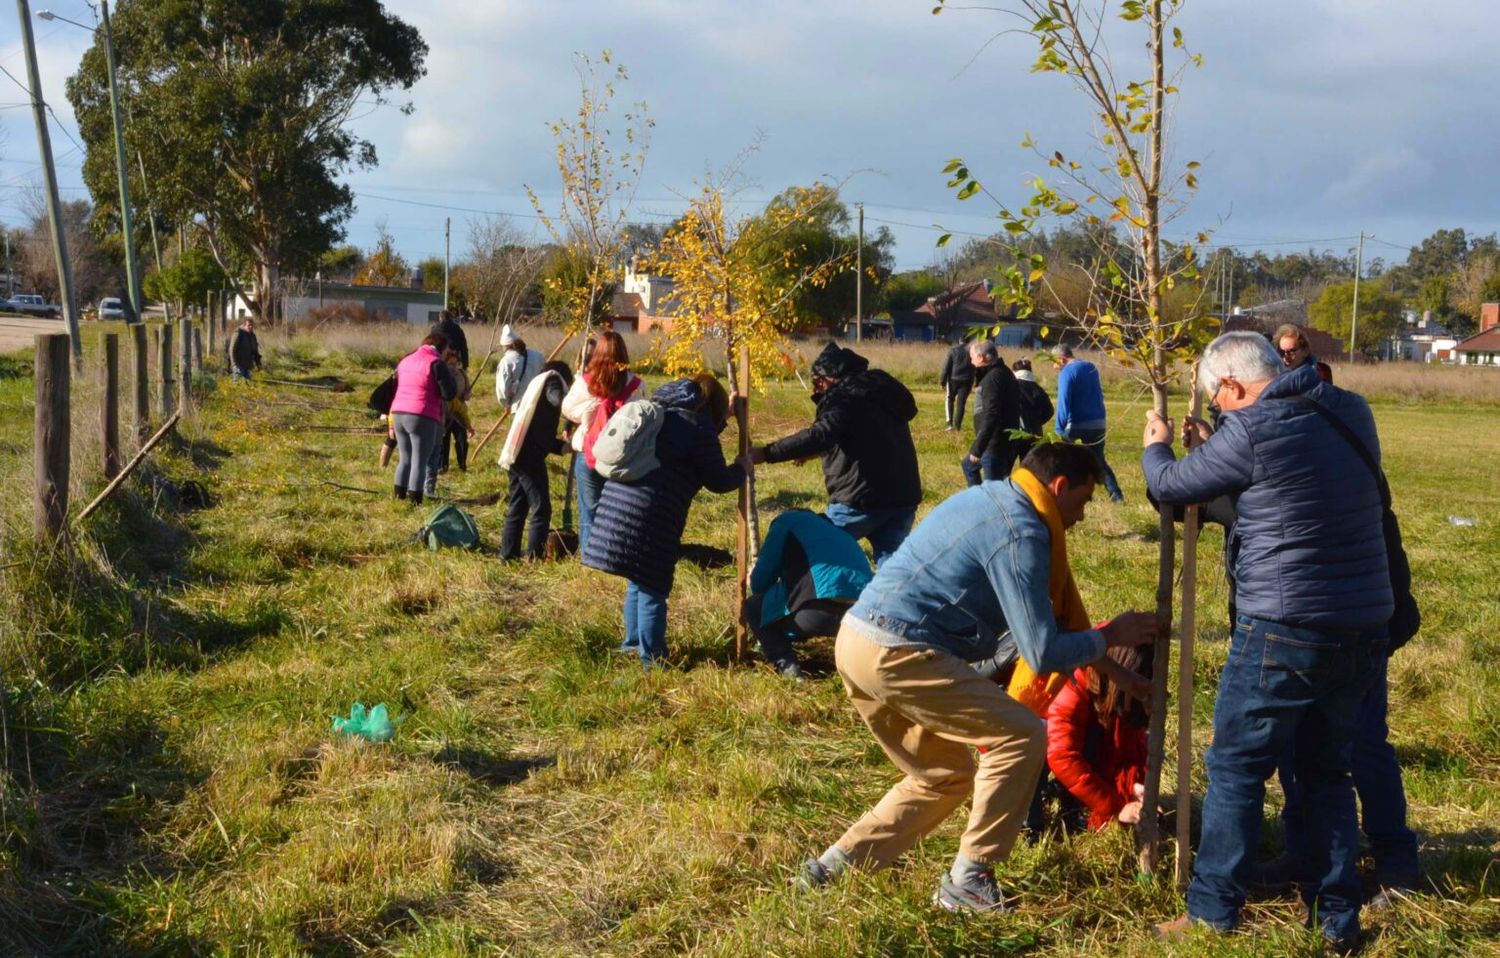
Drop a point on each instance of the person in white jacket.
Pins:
(518, 367)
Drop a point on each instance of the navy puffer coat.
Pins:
(1308, 548)
(637, 530)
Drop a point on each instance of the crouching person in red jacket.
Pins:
(1096, 739)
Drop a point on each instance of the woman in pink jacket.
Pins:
(424, 384)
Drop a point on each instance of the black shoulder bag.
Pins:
(1407, 618)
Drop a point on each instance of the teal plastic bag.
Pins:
(374, 725)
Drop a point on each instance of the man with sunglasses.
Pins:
(1313, 597)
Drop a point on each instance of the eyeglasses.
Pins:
(1291, 352)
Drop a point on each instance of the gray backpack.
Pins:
(625, 449)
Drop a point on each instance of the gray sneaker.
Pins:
(789, 668)
(981, 896)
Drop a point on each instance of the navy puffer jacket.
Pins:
(637, 530)
(1308, 547)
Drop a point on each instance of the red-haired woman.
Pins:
(1096, 741)
(605, 386)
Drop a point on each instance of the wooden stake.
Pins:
(142, 384)
(741, 383)
(130, 467)
(109, 403)
(164, 368)
(52, 437)
(1189, 628)
(185, 368)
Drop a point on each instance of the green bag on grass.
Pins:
(449, 526)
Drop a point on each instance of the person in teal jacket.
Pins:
(808, 573)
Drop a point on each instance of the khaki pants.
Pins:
(929, 710)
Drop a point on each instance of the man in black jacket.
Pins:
(862, 432)
(454, 333)
(244, 350)
(957, 379)
(997, 413)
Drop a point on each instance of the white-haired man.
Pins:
(1313, 596)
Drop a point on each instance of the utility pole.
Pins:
(49, 173)
(127, 216)
(447, 256)
(1359, 267)
(151, 217)
(859, 278)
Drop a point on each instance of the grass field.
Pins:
(172, 786)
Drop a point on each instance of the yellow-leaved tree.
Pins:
(734, 281)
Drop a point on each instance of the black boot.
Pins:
(400, 492)
(415, 498)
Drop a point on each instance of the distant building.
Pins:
(1422, 340)
(394, 304)
(1265, 319)
(1481, 349)
(644, 303)
(1489, 316)
(959, 312)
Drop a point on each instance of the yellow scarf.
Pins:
(1037, 691)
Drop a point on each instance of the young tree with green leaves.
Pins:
(239, 113)
(1126, 180)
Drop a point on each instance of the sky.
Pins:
(1313, 120)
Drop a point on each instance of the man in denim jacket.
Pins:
(980, 564)
(1312, 597)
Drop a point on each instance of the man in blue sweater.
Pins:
(1312, 590)
(1080, 410)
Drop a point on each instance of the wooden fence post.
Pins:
(52, 437)
(1188, 623)
(109, 404)
(142, 382)
(164, 365)
(198, 347)
(185, 369)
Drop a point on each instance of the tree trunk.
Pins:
(1189, 627)
(1148, 831)
(747, 532)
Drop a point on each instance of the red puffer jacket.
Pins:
(1099, 765)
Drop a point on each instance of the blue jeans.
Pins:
(1094, 439)
(885, 529)
(986, 469)
(1285, 687)
(1377, 782)
(590, 487)
(646, 623)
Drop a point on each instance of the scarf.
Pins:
(1031, 690)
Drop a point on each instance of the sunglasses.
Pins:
(1292, 352)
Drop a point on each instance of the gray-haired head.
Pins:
(1062, 351)
(1245, 356)
(983, 351)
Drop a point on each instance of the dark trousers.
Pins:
(1285, 687)
(1094, 439)
(1382, 797)
(991, 466)
(818, 617)
(458, 436)
(958, 397)
(529, 505)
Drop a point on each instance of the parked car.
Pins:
(33, 305)
(111, 307)
(6, 306)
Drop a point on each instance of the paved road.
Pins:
(18, 334)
